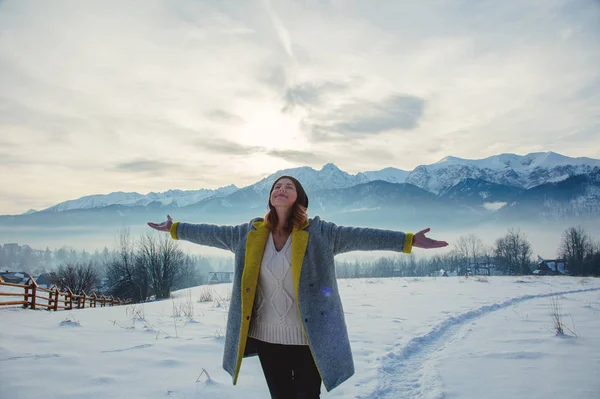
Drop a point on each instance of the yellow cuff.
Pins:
(173, 231)
(408, 242)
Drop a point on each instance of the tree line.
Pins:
(149, 267)
(27, 259)
(510, 254)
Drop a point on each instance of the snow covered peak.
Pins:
(522, 171)
(170, 197)
(329, 177)
(330, 168)
(96, 201)
(392, 175)
(450, 160)
(516, 162)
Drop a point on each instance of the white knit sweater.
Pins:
(276, 318)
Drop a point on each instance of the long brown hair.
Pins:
(298, 217)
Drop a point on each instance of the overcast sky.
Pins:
(103, 96)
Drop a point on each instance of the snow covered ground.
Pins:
(412, 338)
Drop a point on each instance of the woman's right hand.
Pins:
(164, 226)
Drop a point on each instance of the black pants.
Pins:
(290, 371)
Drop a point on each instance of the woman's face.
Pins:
(284, 193)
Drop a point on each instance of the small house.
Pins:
(46, 280)
(15, 277)
(551, 267)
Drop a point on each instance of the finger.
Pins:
(169, 217)
(429, 243)
(427, 230)
(438, 243)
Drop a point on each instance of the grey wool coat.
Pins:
(313, 249)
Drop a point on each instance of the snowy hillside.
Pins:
(420, 338)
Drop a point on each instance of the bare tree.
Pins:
(593, 260)
(423, 267)
(127, 277)
(384, 267)
(190, 275)
(470, 248)
(513, 251)
(406, 265)
(78, 277)
(452, 261)
(575, 246)
(164, 261)
(357, 272)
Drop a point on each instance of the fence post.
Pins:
(70, 294)
(33, 292)
(84, 298)
(26, 297)
(49, 299)
(95, 299)
(56, 292)
(112, 301)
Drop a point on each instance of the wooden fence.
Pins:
(35, 297)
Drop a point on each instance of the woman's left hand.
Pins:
(420, 241)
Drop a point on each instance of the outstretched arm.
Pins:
(223, 237)
(346, 239)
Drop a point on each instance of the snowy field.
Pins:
(412, 338)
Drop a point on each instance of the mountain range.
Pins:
(453, 192)
(504, 174)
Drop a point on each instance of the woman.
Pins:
(285, 306)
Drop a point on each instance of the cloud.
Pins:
(7, 144)
(42, 124)
(221, 116)
(146, 166)
(311, 94)
(375, 153)
(366, 118)
(274, 77)
(227, 147)
(397, 112)
(301, 157)
(279, 27)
